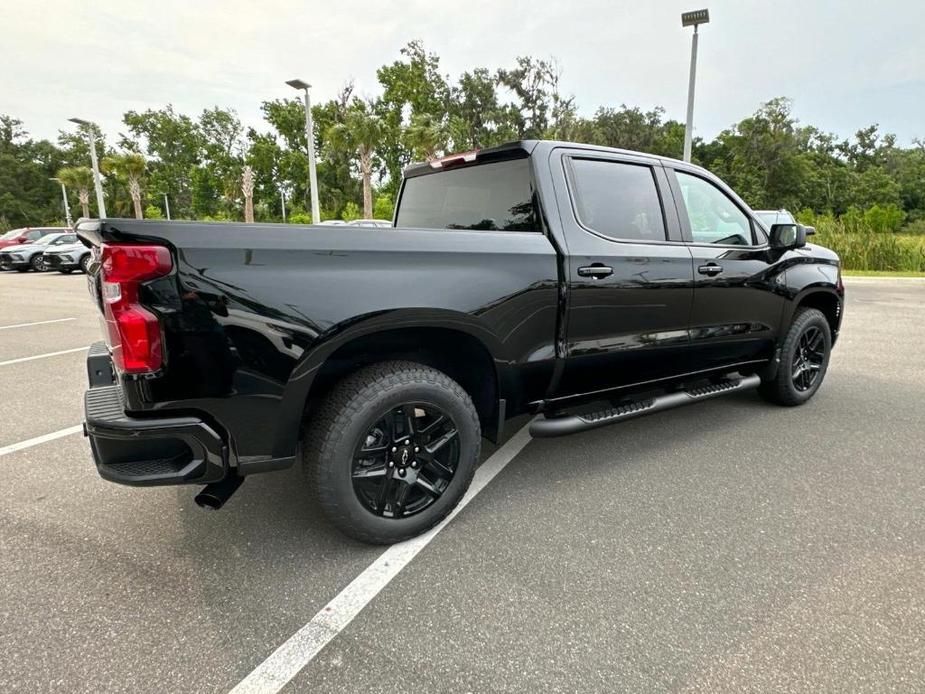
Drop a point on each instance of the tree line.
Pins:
(212, 167)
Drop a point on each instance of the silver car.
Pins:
(29, 256)
(67, 257)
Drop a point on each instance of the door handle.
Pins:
(596, 271)
(712, 269)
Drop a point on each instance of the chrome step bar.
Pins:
(546, 427)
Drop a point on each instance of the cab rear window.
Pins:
(491, 197)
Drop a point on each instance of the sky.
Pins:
(846, 64)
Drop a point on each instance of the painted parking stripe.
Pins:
(299, 650)
(38, 322)
(44, 438)
(42, 356)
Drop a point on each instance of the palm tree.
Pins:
(79, 178)
(128, 167)
(359, 134)
(247, 187)
(425, 136)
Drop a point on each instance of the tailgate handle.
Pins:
(597, 271)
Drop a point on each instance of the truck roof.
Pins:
(517, 149)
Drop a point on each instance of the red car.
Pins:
(17, 237)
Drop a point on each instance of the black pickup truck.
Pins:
(583, 284)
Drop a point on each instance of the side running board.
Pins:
(570, 424)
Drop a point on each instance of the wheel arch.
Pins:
(827, 301)
(457, 347)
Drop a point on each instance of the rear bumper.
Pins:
(146, 451)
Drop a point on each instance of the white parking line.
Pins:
(28, 443)
(42, 356)
(299, 650)
(38, 322)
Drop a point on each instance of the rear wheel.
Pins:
(804, 359)
(392, 451)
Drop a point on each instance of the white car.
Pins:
(29, 256)
(66, 257)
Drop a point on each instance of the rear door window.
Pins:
(617, 199)
(492, 197)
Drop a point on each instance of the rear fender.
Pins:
(307, 368)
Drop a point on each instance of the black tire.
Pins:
(791, 385)
(85, 263)
(337, 430)
(37, 263)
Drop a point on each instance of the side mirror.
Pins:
(789, 235)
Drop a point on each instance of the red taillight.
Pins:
(134, 332)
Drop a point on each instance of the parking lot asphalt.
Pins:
(728, 546)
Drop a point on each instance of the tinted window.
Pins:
(714, 217)
(618, 200)
(495, 196)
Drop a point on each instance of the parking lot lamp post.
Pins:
(282, 199)
(97, 182)
(167, 206)
(694, 19)
(67, 208)
(310, 136)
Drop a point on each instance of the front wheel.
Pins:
(392, 451)
(804, 359)
(85, 264)
(38, 263)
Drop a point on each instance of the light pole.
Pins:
(282, 199)
(310, 136)
(694, 19)
(167, 206)
(97, 183)
(67, 208)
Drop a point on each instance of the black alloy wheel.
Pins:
(391, 450)
(808, 358)
(804, 360)
(406, 460)
(38, 263)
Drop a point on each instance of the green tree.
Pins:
(360, 134)
(174, 146)
(425, 137)
(79, 178)
(130, 169)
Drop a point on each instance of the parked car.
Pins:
(19, 237)
(30, 256)
(65, 257)
(381, 223)
(586, 284)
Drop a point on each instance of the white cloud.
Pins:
(844, 64)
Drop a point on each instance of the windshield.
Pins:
(48, 239)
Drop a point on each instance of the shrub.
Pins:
(351, 212)
(865, 249)
(153, 212)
